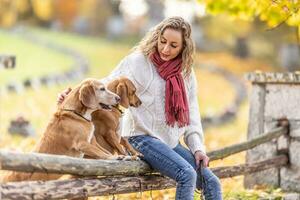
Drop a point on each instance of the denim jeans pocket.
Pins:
(138, 141)
(134, 141)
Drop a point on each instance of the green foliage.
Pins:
(273, 12)
(267, 193)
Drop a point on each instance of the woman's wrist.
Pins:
(199, 151)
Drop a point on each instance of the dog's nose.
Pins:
(117, 98)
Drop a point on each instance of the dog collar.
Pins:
(77, 113)
(118, 108)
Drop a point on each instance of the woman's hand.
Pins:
(61, 96)
(199, 155)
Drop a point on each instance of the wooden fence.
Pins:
(107, 177)
(7, 61)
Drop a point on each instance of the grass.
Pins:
(31, 60)
(209, 96)
(215, 94)
(102, 54)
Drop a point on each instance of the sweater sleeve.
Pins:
(193, 137)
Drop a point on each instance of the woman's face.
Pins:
(169, 44)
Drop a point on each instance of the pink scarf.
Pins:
(176, 105)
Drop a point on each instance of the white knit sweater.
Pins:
(149, 118)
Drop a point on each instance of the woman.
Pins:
(161, 69)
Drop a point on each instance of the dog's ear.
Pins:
(112, 86)
(122, 91)
(87, 96)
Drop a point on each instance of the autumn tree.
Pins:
(273, 12)
(11, 11)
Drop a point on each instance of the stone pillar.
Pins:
(275, 96)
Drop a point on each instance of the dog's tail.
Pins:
(12, 176)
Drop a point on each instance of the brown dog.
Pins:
(107, 125)
(71, 130)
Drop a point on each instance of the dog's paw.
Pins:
(127, 158)
(119, 157)
(140, 155)
(136, 158)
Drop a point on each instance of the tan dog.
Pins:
(107, 123)
(71, 130)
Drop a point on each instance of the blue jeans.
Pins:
(178, 164)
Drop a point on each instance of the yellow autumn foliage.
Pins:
(43, 9)
(22, 6)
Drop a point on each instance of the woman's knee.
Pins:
(187, 176)
(213, 184)
(213, 188)
(214, 181)
(210, 180)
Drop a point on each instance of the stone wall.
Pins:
(275, 96)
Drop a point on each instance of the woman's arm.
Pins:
(193, 136)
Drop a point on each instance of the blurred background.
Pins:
(57, 43)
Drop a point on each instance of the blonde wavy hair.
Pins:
(148, 44)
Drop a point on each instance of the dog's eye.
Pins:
(102, 89)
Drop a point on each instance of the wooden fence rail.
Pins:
(30, 162)
(93, 186)
(236, 148)
(7, 61)
(139, 176)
